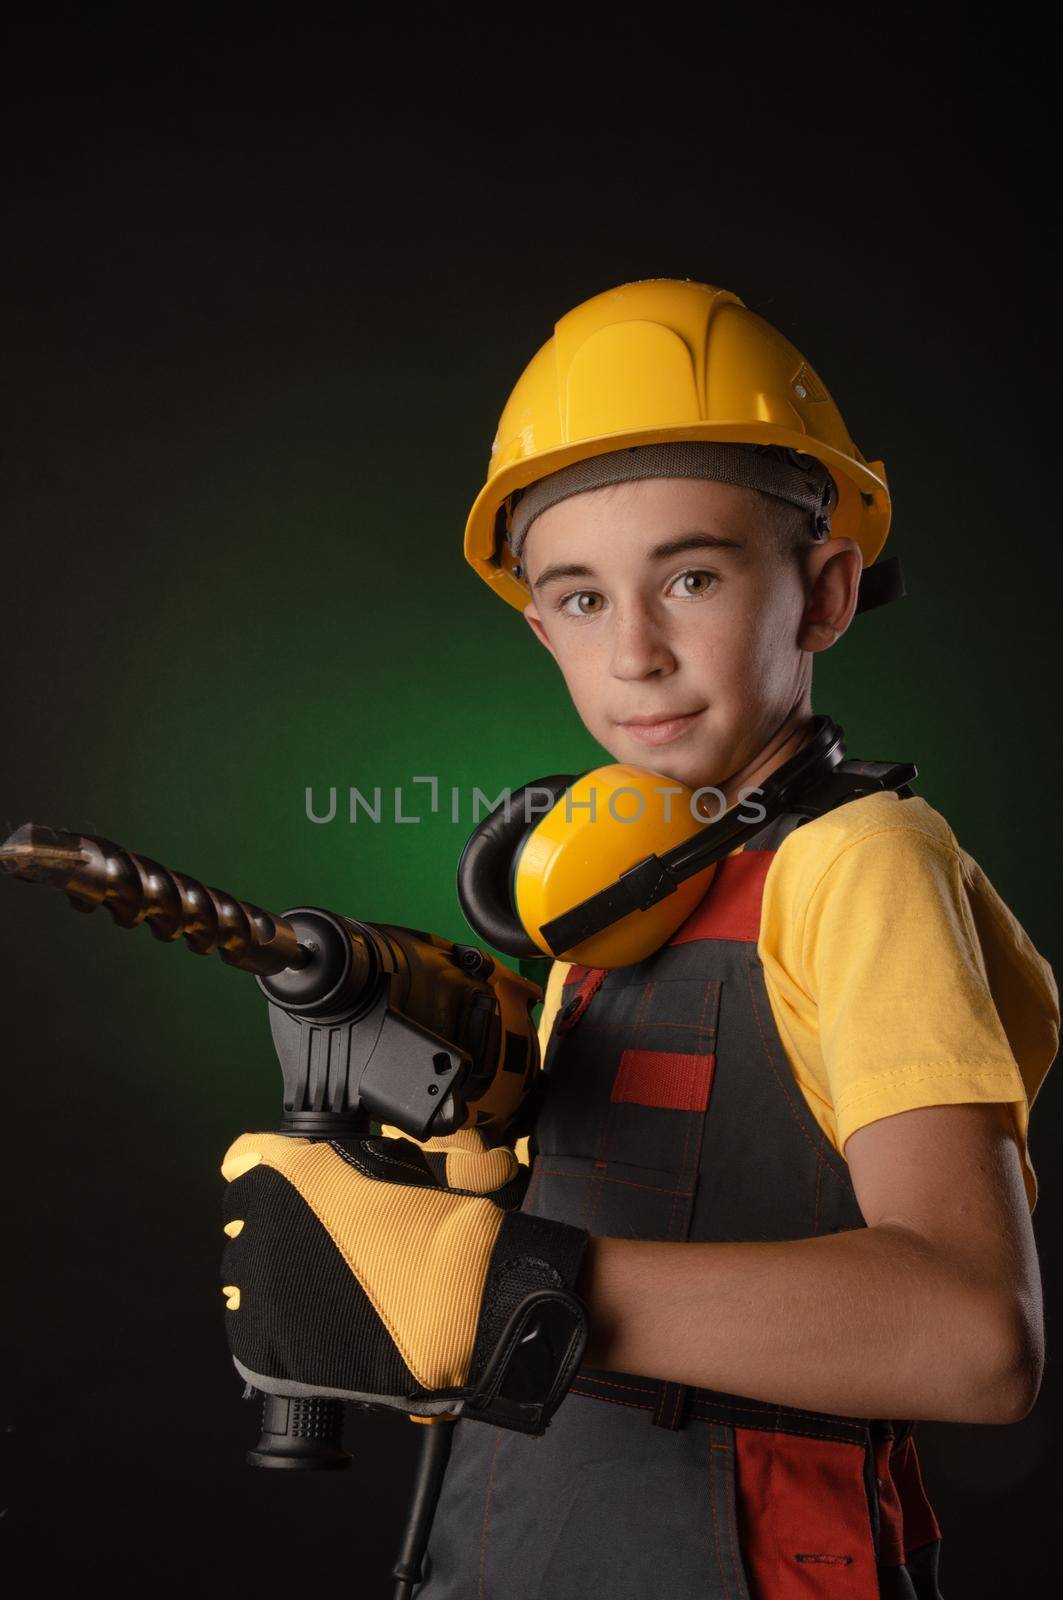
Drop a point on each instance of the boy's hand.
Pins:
(397, 1274)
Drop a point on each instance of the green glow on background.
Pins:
(320, 627)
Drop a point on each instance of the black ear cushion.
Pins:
(486, 866)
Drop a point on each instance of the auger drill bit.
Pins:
(92, 871)
(372, 1023)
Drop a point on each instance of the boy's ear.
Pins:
(834, 577)
(534, 621)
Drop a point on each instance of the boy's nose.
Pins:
(640, 647)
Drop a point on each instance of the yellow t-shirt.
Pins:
(896, 975)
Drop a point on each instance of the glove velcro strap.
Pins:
(532, 1329)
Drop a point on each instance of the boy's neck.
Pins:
(789, 737)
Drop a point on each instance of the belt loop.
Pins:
(670, 1410)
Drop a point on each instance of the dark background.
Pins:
(268, 284)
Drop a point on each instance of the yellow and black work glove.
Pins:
(400, 1275)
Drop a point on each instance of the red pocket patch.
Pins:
(672, 1079)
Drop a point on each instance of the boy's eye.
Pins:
(579, 610)
(697, 580)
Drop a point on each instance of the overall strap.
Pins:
(850, 780)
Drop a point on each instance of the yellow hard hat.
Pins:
(667, 359)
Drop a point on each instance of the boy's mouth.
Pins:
(661, 730)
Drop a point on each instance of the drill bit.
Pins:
(92, 871)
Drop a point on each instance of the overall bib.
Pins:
(670, 1111)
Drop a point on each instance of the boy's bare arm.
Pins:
(932, 1311)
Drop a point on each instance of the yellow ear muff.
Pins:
(604, 823)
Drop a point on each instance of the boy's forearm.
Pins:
(875, 1322)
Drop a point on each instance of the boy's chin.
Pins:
(689, 767)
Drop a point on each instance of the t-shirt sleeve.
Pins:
(551, 1002)
(928, 990)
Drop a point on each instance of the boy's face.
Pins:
(669, 597)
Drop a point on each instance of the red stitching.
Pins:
(631, 1405)
(622, 1027)
(712, 987)
(637, 1388)
(786, 1091)
(707, 1036)
(605, 1177)
(605, 1137)
(732, 1535)
(634, 1405)
(487, 1509)
(722, 1405)
(608, 1399)
(770, 1499)
(683, 1178)
(807, 1433)
(790, 1412)
(716, 1526)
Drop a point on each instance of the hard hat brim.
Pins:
(862, 513)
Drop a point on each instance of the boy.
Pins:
(716, 634)
(794, 1138)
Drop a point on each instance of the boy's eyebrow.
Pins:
(659, 552)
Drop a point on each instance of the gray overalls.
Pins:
(670, 1111)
